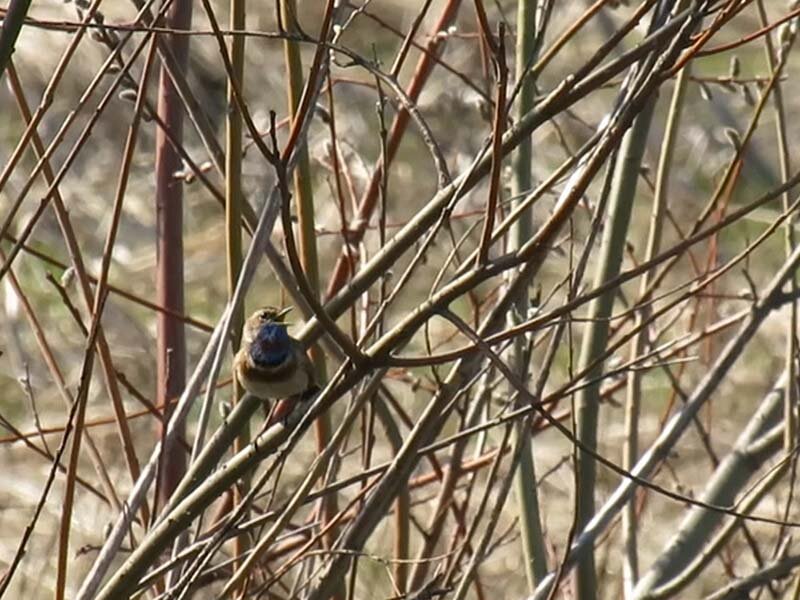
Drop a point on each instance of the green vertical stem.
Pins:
(594, 342)
(302, 173)
(786, 39)
(233, 216)
(233, 167)
(630, 451)
(533, 546)
(402, 506)
(306, 235)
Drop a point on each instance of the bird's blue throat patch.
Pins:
(271, 346)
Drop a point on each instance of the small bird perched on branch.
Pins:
(270, 363)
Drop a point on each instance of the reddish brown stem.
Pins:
(171, 343)
(344, 266)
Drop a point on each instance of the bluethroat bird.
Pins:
(270, 363)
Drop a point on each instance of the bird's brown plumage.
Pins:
(292, 376)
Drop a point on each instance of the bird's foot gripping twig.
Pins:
(289, 411)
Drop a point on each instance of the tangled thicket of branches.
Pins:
(542, 256)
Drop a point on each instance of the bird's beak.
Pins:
(282, 313)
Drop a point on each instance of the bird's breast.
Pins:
(278, 381)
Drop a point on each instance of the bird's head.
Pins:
(266, 335)
(270, 314)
